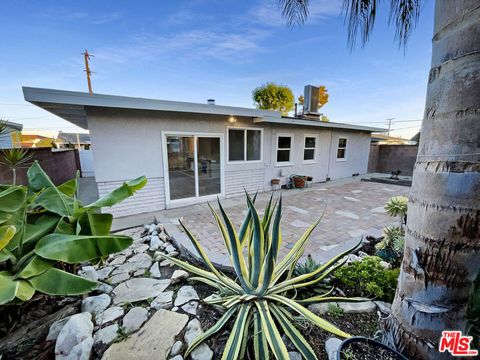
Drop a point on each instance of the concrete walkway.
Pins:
(351, 208)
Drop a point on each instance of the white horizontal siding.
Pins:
(150, 198)
(236, 181)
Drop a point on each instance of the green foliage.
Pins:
(274, 97)
(391, 248)
(45, 231)
(368, 278)
(397, 206)
(260, 299)
(309, 266)
(335, 310)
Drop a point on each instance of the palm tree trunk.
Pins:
(442, 253)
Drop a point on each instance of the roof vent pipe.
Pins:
(211, 101)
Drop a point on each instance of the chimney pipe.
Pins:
(211, 101)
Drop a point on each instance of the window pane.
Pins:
(341, 154)
(342, 143)
(236, 145)
(254, 139)
(309, 154)
(284, 142)
(283, 155)
(310, 142)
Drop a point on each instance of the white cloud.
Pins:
(81, 16)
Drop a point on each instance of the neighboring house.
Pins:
(10, 138)
(79, 141)
(36, 141)
(382, 139)
(192, 152)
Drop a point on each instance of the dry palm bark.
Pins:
(442, 255)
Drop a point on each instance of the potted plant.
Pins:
(362, 348)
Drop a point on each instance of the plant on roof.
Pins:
(45, 231)
(261, 300)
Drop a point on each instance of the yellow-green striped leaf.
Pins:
(272, 334)
(234, 342)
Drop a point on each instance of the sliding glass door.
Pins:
(194, 166)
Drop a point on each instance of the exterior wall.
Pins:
(356, 162)
(393, 158)
(128, 143)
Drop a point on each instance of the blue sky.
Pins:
(197, 49)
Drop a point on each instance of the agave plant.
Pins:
(45, 231)
(397, 206)
(260, 298)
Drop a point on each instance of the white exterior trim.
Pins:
(244, 146)
(292, 142)
(196, 199)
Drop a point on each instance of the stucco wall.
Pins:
(393, 158)
(127, 144)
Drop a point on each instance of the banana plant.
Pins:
(45, 231)
(261, 299)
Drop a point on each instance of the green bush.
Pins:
(45, 231)
(368, 278)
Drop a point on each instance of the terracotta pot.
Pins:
(275, 181)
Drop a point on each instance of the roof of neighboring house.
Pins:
(71, 138)
(389, 139)
(34, 140)
(416, 137)
(13, 125)
(70, 105)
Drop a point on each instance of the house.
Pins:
(31, 139)
(79, 141)
(382, 139)
(10, 136)
(194, 152)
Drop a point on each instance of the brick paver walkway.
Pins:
(352, 209)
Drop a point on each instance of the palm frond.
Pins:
(295, 11)
(404, 14)
(359, 17)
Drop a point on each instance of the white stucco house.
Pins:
(195, 152)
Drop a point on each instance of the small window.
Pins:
(284, 148)
(244, 145)
(309, 148)
(342, 149)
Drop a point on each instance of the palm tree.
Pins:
(439, 283)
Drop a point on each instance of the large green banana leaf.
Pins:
(59, 282)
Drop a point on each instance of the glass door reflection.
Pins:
(208, 166)
(181, 166)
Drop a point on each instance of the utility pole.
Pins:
(389, 123)
(87, 71)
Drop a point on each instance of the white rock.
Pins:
(186, 294)
(116, 279)
(55, 328)
(134, 319)
(152, 228)
(203, 351)
(352, 258)
(104, 272)
(331, 347)
(191, 307)
(385, 265)
(139, 272)
(155, 271)
(140, 258)
(96, 304)
(176, 348)
(384, 307)
(106, 335)
(89, 273)
(127, 252)
(108, 315)
(166, 263)
(118, 260)
(140, 249)
(175, 308)
(160, 228)
(177, 357)
(178, 275)
(155, 243)
(163, 236)
(174, 253)
(138, 289)
(162, 301)
(154, 233)
(362, 254)
(170, 249)
(347, 307)
(75, 340)
(293, 355)
(104, 288)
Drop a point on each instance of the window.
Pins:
(309, 148)
(244, 145)
(284, 148)
(342, 149)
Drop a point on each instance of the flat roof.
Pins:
(70, 105)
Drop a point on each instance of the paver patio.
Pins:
(351, 208)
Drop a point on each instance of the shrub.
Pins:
(368, 278)
(45, 231)
(257, 299)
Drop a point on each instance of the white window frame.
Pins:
(289, 162)
(338, 148)
(244, 145)
(314, 160)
